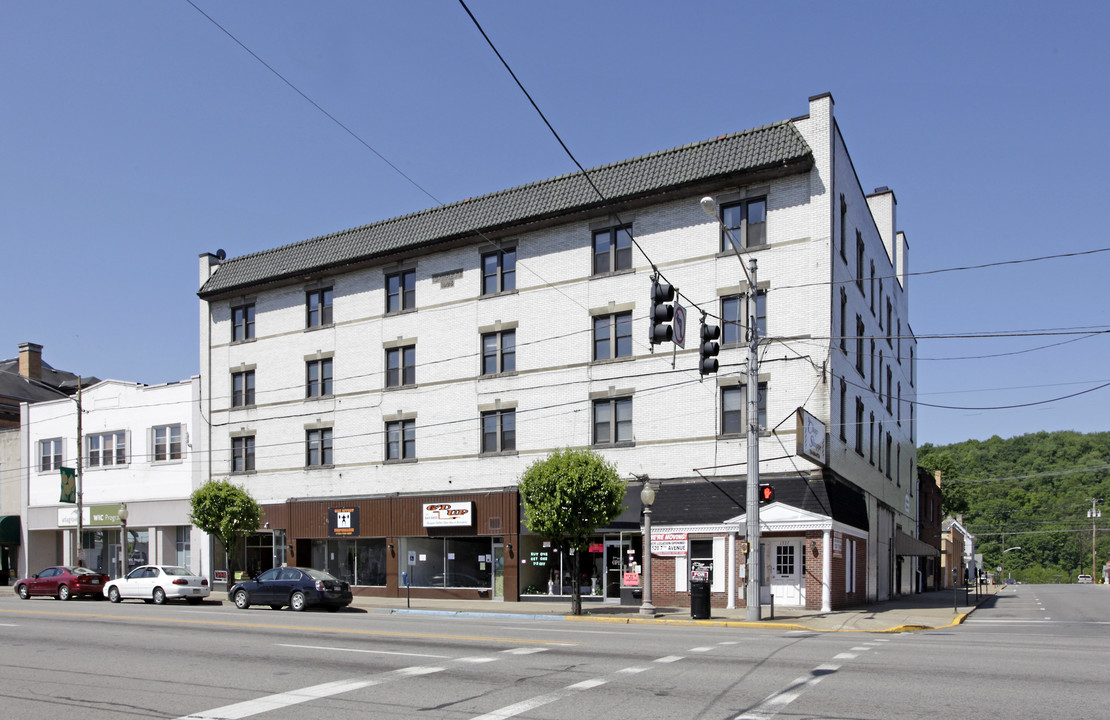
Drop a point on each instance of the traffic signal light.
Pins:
(707, 362)
(766, 494)
(660, 313)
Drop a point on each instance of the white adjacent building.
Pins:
(379, 390)
(139, 448)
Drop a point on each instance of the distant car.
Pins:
(62, 582)
(1084, 580)
(1011, 581)
(159, 583)
(297, 587)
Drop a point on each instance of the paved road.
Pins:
(1031, 652)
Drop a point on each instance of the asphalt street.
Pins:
(1035, 651)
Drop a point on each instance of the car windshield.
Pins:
(319, 575)
(175, 570)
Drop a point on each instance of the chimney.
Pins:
(30, 361)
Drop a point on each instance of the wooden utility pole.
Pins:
(1094, 513)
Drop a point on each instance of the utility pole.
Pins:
(80, 464)
(753, 604)
(1094, 513)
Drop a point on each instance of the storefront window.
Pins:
(546, 571)
(182, 546)
(449, 562)
(357, 561)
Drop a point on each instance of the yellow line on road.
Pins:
(267, 626)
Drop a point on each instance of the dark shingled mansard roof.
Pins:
(760, 149)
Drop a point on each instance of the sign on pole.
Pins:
(679, 326)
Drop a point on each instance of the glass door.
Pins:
(498, 571)
(613, 569)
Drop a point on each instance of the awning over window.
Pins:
(907, 545)
(10, 530)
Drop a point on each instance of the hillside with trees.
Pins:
(1033, 492)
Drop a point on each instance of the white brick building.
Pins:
(430, 358)
(139, 449)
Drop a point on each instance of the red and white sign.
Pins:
(444, 514)
(679, 326)
(668, 544)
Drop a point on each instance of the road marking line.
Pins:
(729, 642)
(860, 648)
(524, 651)
(632, 670)
(668, 659)
(774, 703)
(540, 700)
(700, 649)
(845, 656)
(280, 700)
(359, 650)
(586, 684)
(477, 659)
(416, 671)
(8, 625)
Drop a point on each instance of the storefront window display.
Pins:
(360, 561)
(546, 571)
(100, 550)
(449, 562)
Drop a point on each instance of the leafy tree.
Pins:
(566, 497)
(227, 512)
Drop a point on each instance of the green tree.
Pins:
(227, 512)
(566, 497)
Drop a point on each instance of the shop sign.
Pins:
(631, 579)
(220, 576)
(343, 522)
(668, 544)
(595, 548)
(838, 543)
(92, 515)
(699, 575)
(445, 514)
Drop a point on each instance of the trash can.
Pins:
(699, 600)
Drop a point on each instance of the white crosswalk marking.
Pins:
(280, 700)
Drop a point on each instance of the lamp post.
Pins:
(751, 530)
(1004, 575)
(647, 497)
(123, 540)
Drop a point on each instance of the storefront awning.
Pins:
(10, 530)
(907, 545)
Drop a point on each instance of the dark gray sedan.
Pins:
(297, 587)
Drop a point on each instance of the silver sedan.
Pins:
(159, 583)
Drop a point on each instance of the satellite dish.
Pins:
(221, 255)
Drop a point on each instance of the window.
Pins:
(400, 291)
(242, 454)
(785, 559)
(859, 260)
(50, 454)
(843, 410)
(499, 352)
(400, 366)
(843, 224)
(913, 367)
(182, 546)
(889, 445)
(732, 317)
(859, 426)
(107, 449)
(499, 431)
(242, 323)
(889, 389)
(899, 342)
(859, 345)
(317, 447)
(499, 271)
(872, 287)
(889, 327)
(872, 373)
(746, 224)
(843, 321)
(899, 404)
(613, 336)
(871, 440)
(879, 438)
(612, 421)
(318, 378)
(734, 408)
(613, 250)
(400, 440)
(167, 443)
(242, 388)
(318, 307)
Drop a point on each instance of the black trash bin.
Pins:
(699, 600)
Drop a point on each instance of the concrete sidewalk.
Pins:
(925, 611)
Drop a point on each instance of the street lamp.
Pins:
(123, 539)
(1004, 575)
(647, 497)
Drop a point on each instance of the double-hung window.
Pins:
(242, 388)
(400, 440)
(167, 443)
(612, 250)
(733, 321)
(50, 454)
(317, 447)
(499, 352)
(242, 323)
(318, 378)
(859, 345)
(499, 431)
(859, 426)
(400, 291)
(613, 421)
(734, 408)
(746, 224)
(859, 260)
(107, 449)
(400, 366)
(613, 336)
(318, 307)
(499, 271)
(242, 453)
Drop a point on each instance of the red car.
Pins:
(63, 583)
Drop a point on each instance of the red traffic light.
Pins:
(766, 494)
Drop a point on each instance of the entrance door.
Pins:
(784, 564)
(613, 571)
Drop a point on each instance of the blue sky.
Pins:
(138, 135)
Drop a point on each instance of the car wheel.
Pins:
(159, 596)
(297, 601)
(23, 591)
(113, 594)
(276, 607)
(193, 600)
(63, 592)
(242, 600)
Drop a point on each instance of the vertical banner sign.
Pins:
(69, 486)
(343, 522)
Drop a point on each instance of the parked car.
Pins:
(62, 582)
(159, 583)
(1084, 580)
(297, 587)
